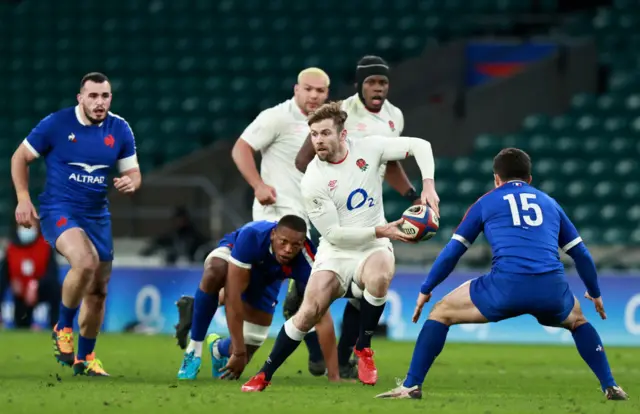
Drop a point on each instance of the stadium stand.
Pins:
(185, 76)
(586, 158)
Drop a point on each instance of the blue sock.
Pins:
(591, 350)
(85, 347)
(429, 345)
(315, 352)
(204, 307)
(67, 315)
(285, 346)
(224, 346)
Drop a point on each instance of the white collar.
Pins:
(79, 118)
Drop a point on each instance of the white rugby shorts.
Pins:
(347, 264)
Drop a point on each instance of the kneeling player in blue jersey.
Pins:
(250, 264)
(524, 227)
(80, 146)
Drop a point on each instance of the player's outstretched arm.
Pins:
(237, 281)
(421, 150)
(443, 265)
(305, 155)
(464, 235)
(571, 243)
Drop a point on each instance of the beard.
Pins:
(91, 119)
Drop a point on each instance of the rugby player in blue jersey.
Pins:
(80, 146)
(250, 264)
(524, 227)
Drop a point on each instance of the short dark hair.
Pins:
(294, 223)
(372, 60)
(96, 77)
(512, 164)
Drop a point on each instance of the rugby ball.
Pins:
(420, 222)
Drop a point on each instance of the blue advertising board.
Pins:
(147, 296)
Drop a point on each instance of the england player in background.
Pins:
(525, 227)
(278, 133)
(80, 146)
(369, 113)
(342, 192)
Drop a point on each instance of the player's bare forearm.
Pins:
(327, 339)
(136, 177)
(305, 155)
(397, 178)
(237, 282)
(20, 172)
(243, 157)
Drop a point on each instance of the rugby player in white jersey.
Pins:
(342, 192)
(369, 113)
(278, 133)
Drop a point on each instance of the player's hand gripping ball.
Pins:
(420, 222)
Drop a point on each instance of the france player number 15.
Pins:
(526, 206)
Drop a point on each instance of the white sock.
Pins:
(293, 332)
(215, 351)
(374, 300)
(196, 347)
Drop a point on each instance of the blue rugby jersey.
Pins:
(79, 158)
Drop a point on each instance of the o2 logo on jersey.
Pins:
(359, 198)
(532, 220)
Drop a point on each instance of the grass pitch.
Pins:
(467, 378)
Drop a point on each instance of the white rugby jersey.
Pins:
(388, 122)
(278, 133)
(344, 200)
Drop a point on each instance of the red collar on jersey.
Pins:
(341, 161)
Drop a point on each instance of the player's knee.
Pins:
(254, 335)
(86, 264)
(576, 320)
(308, 316)
(214, 275)
(441, 312)
(97, 289)
(379, 285)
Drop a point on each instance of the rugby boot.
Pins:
(185, 312)
(317, 369)
(349, 370)
(367, 371)
(256, 383)
(615, 393)
(190, 366)
(402, 393)
(91, 367)
(63, 345)
(217, 361)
